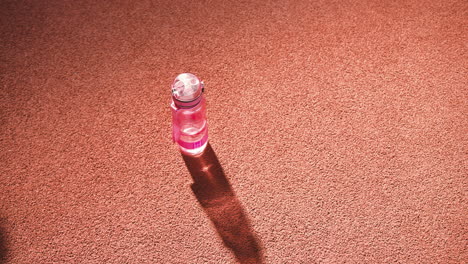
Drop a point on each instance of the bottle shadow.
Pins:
(217, 198)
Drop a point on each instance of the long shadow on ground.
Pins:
(215, 194)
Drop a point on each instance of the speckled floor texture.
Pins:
(338, 132)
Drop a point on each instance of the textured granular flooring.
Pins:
(338, 132)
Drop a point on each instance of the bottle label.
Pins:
(194, 145)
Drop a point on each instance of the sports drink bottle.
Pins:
(189, 125)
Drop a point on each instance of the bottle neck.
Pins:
(191, 104)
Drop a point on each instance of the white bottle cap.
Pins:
(186, 87)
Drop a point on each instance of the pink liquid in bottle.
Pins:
(189, 125)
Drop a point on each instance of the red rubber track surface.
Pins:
(338, 132)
